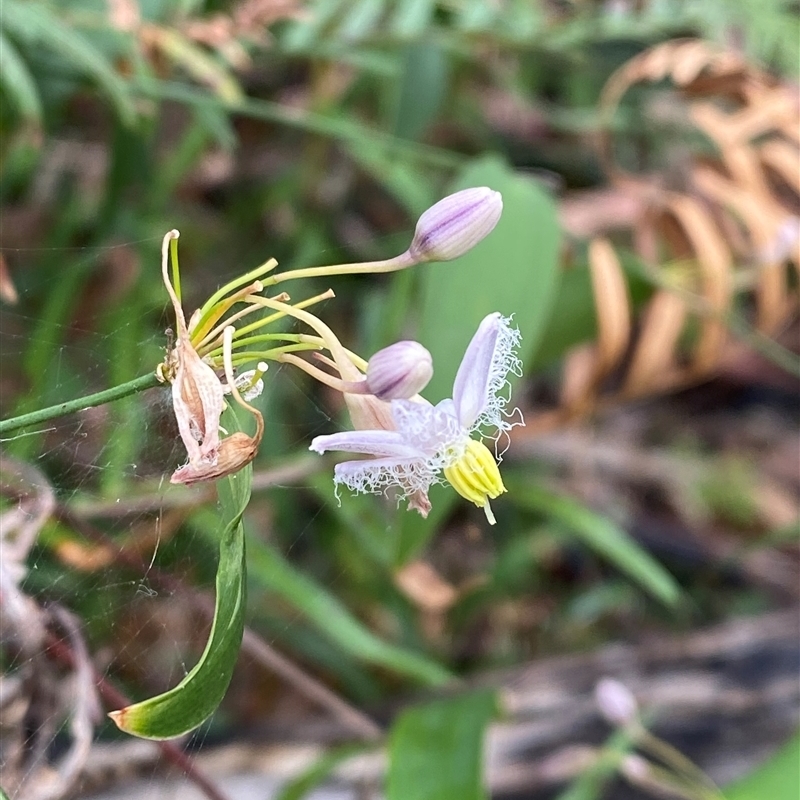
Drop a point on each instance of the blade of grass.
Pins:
(36, 25)
(603, 536)
(19, 82)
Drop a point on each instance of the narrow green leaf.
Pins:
(36, 25)
(778, 779)
(361, 518)
(360, 20)
(406, 181)
(299, 787)
(592, 783)
(477, 15)
(302, 34)
(522, 20)
(604, 537)
(335, 125)
(436, 750)
(18, 82)
(197, 696)
(422, 90)
(273, 572)
(412, 18)
(200, 65)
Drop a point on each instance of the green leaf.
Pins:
(477, 15)
(18, 82)
(361, 518)
(197, 696)
(406, 181)
(778, 779)
(274, 573)
(200, 65)
(303, 34)
(436, 750)
(412, 17)
(415, 531)
(36, 25)
(604, 537)
(299, 787)
(422, 90)
(592, 783)
(360, 20)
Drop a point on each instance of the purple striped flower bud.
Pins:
(399, 371)
(456, 224)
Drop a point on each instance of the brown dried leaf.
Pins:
(765, 221)
(653, 362)
(689, 60)
(578, 380)
(612, 302)
(784, 159)
(716, 269)
(774, 109)
(423, 585)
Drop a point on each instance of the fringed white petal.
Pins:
(481, 390)
(376, 475)
(471, 386)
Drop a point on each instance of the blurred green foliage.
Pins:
(778, 778)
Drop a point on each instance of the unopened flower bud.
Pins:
(456, 224)
(616, 701)
(399, 371)
(636, 769)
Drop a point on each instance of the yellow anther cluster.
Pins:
(475, 475)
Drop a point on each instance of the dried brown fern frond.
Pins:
(730, 225)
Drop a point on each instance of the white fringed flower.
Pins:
(428, 441)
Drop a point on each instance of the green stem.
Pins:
(367, 267)
(139, 384)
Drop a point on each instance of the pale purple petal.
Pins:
(430, 429)
(482, 391)
(374, 443)
(471, 387)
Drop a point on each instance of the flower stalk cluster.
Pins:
(411, 443)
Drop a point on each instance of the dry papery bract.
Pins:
(733, 226)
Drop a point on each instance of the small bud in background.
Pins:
(636, 769)
(616, 702)
(399, 371)
(456, 224)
